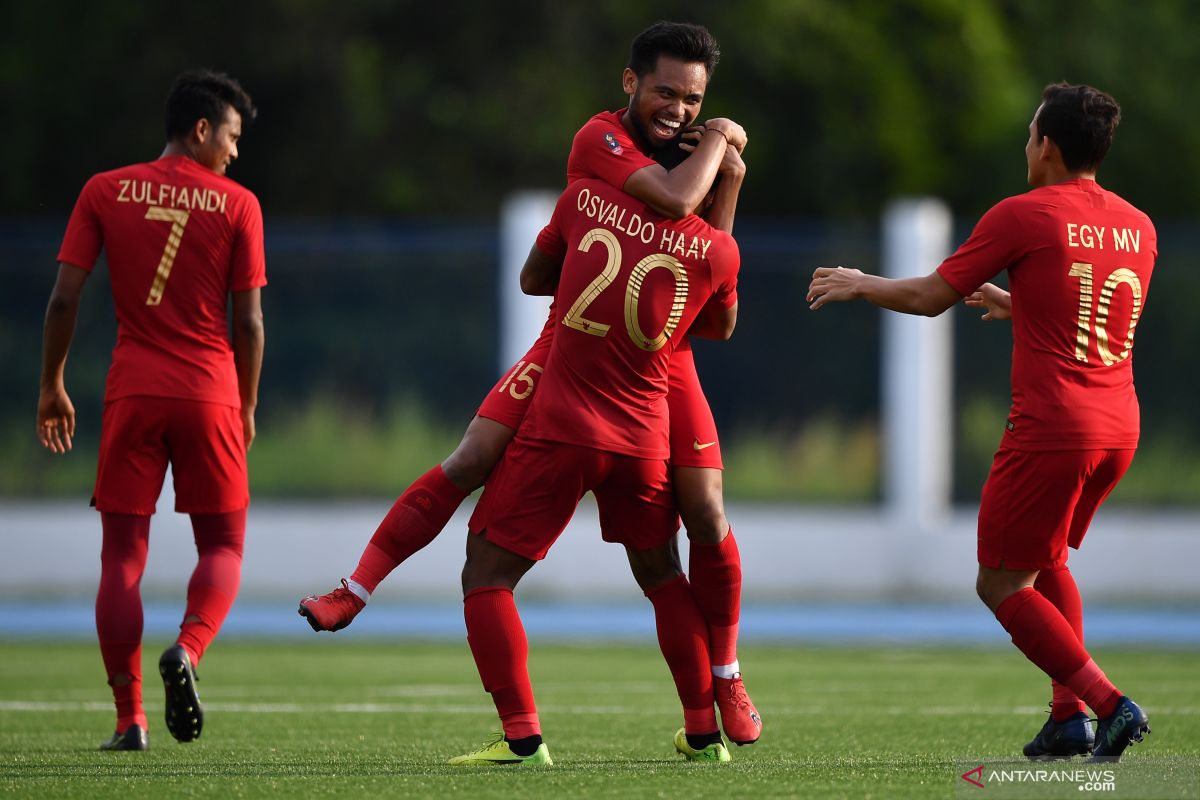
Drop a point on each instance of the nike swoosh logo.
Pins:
(696, 444)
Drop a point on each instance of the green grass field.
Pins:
(329, 718)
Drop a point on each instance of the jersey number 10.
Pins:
(1083, 271)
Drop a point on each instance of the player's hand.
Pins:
(996, 302)
(248, 426)
(833, 284)
(734, 134)
(732, 163)
(690, 138)
(55, 420)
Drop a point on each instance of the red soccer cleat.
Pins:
(333, 611)
(739, 717)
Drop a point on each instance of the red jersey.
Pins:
(603, 149)
(1079, 260)
(632, 283)
(178, 238)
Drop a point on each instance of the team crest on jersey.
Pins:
(613, 144)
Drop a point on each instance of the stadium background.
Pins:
(390, 134)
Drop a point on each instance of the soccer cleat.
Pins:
(1120, 729)
(495, 752)
(333, 611)
(134, 738)
(1071, 737)
(185, 717)
(717, 751)
(739, 717)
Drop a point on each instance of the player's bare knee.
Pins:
(705, 522)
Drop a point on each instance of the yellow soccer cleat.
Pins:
(496, 753)
(716, 752)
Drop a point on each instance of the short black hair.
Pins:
(202, 93)
(682, 40)
(1081, 120)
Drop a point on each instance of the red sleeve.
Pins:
(992, 247)
(725, 261)
(249, 261)
(84, 237)
(552, 239)
(604, 150)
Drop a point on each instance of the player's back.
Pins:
(1079, 286)
(632, 283)
(178, 238)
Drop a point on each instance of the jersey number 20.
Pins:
(574, 317)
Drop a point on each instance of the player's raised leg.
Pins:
(119, 623)
(422, 511)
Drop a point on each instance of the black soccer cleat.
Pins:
(134, 738)
(1071, 737)
(1118, 730)
(185, 717)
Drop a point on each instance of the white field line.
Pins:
(37, 706)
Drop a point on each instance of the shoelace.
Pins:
(737, 693)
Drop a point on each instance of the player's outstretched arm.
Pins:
(249, 337)
(927, 296)
(56, 414)
(678, 192)
(540, 274)
(996, 302)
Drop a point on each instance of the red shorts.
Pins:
(694, 440)
(204, 443)
(509, 399)
(1036, 504)
(532, 494)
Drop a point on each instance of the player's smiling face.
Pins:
(217, 147)
(665, 100)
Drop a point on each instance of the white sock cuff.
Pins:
(358, 589)
(727, 671)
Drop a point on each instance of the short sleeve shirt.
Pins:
(178, 239)
(1079, 260)
(632, 284)
(603, 149)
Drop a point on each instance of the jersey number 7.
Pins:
(178, 219)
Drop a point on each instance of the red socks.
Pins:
(1042, 633)
(415, 520)
(1058, 586)
(119, 611)
(683, 639)
(715, 571)
(497, 640)
(214, 583)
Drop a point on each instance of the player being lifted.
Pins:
(598, 422)
(669, 68)
(180, 238)
(1079, 260)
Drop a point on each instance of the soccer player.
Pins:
(631, 285)
(1079, 260)
(669, 68)
(180, 238)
